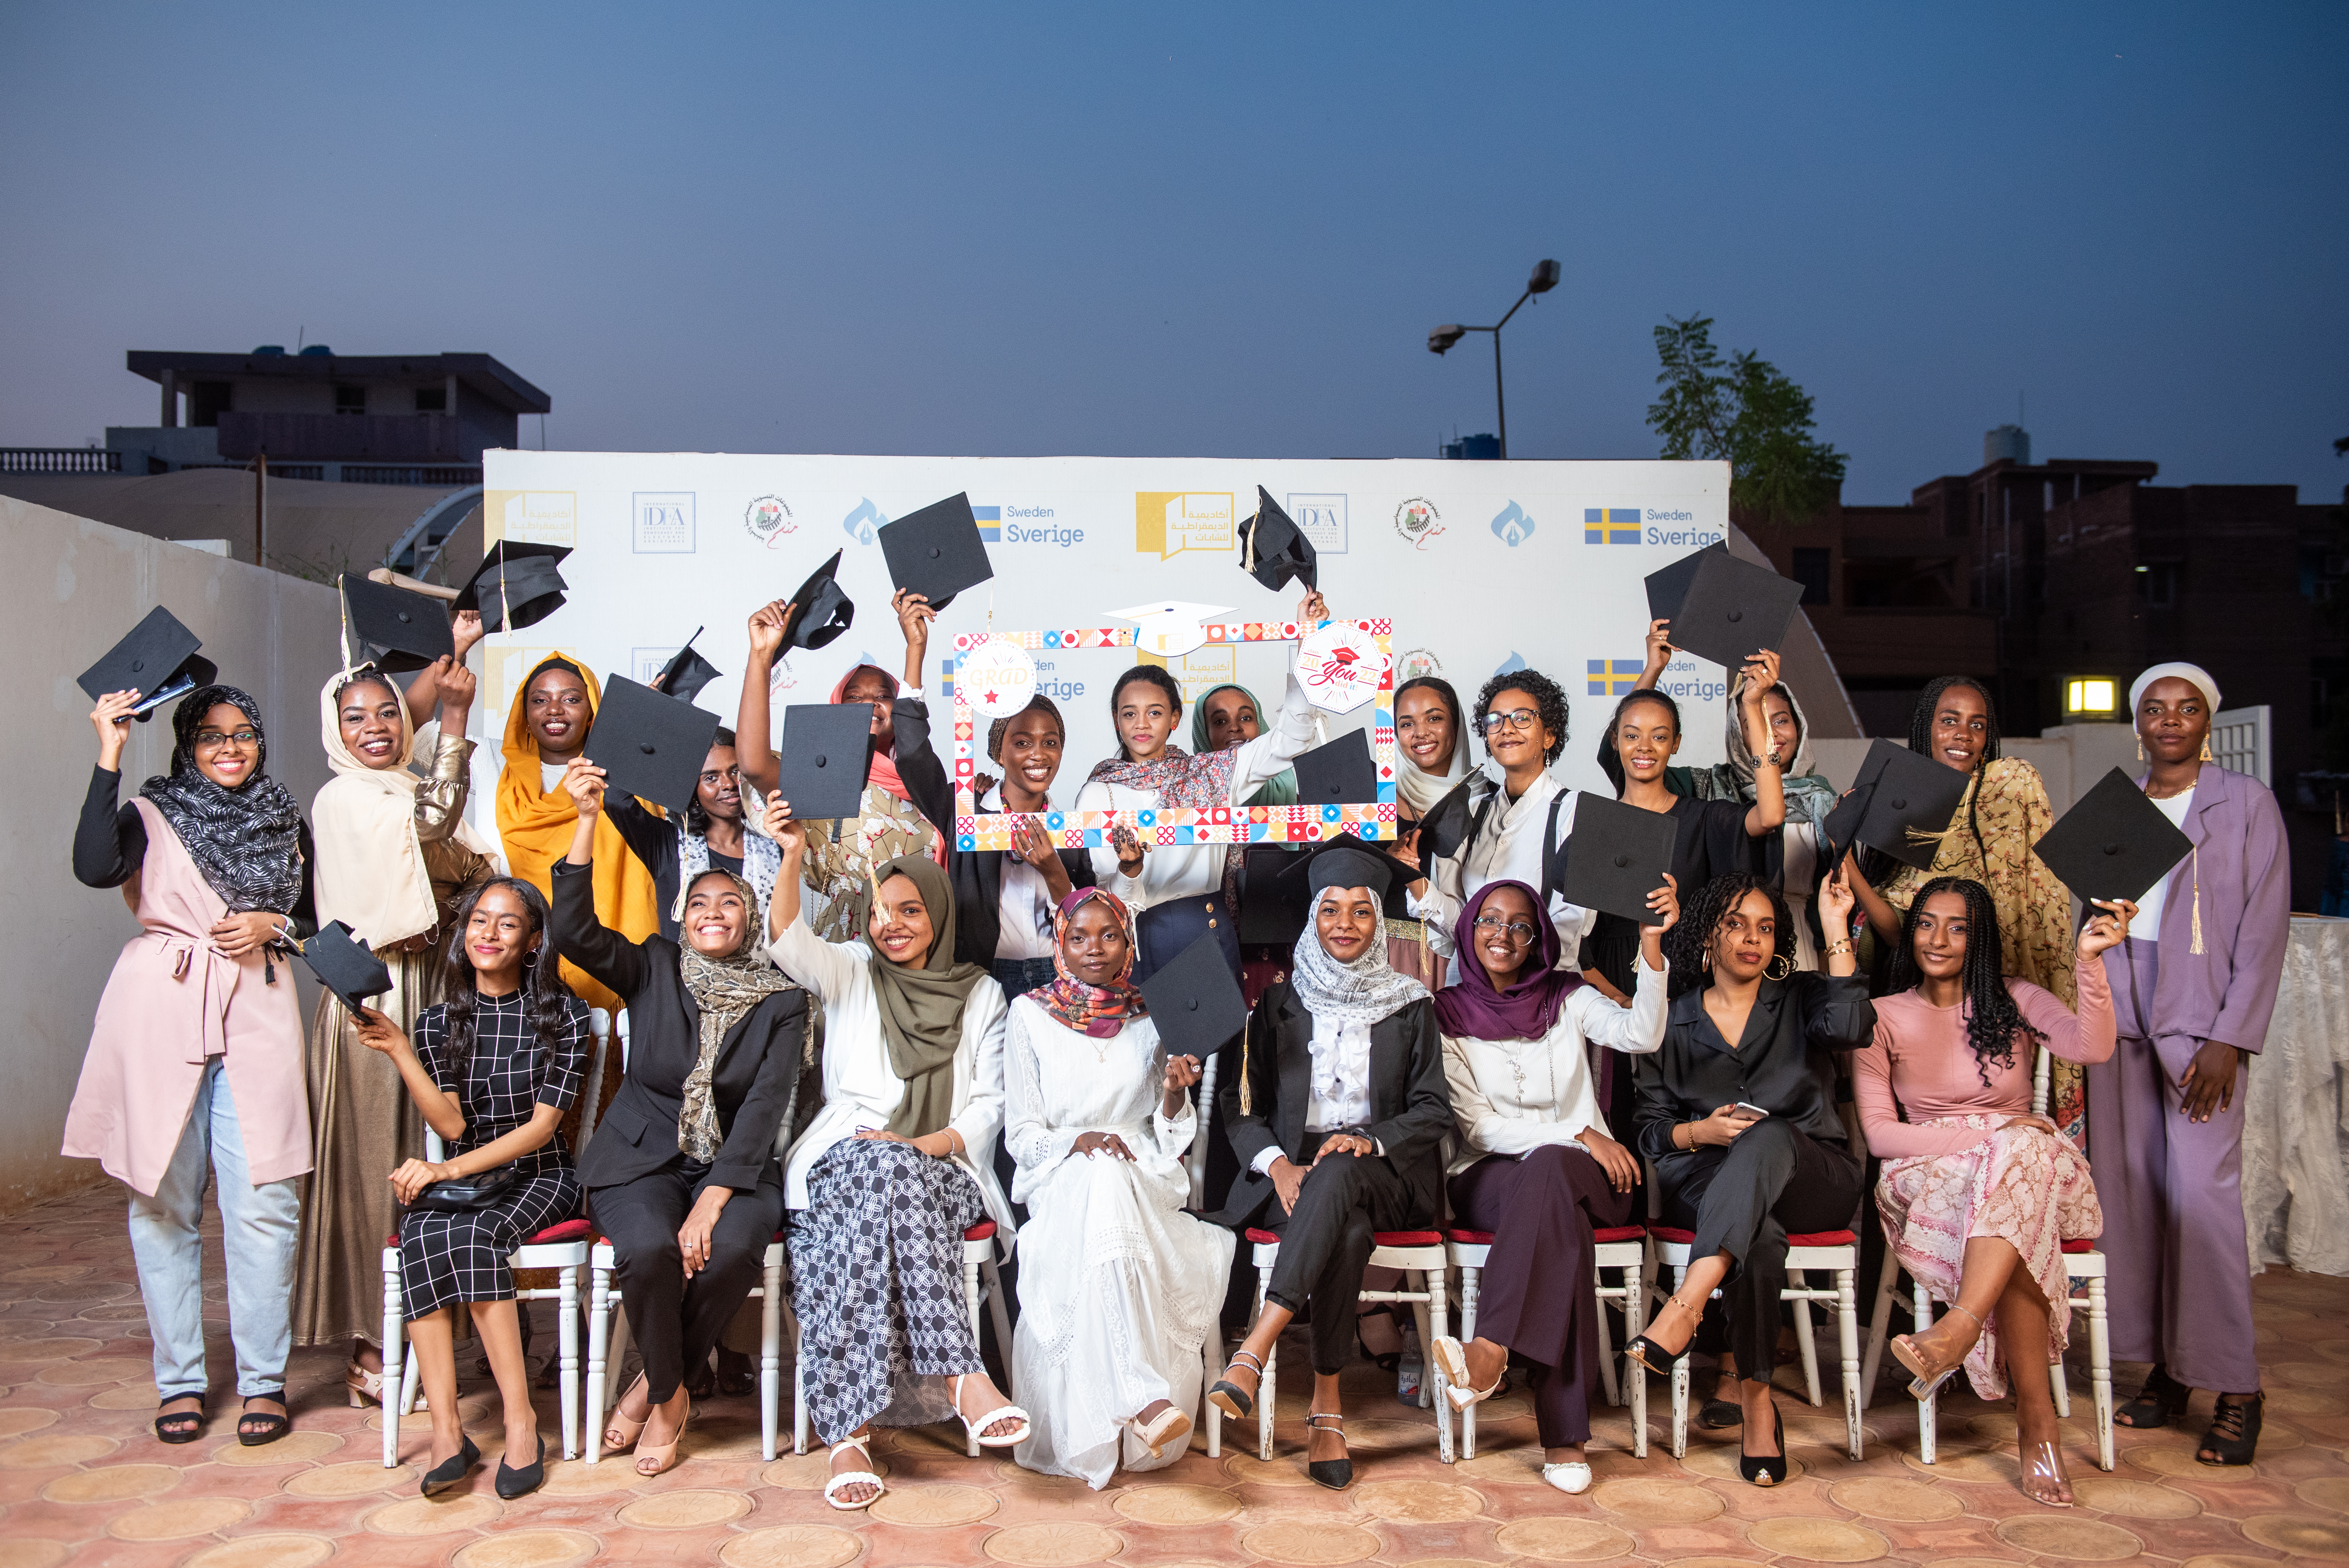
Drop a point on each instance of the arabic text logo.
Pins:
(1168, 522)
(1417, 521)
(767, 518)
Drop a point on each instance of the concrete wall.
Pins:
(79, 586)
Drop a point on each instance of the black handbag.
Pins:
(465, 1194)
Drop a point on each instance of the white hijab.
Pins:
(2194, 676)
(1419, 789)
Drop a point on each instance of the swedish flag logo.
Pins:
(1610, 525)
(990, 524)
(1614, 677)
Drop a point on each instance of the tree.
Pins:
(1747, 411)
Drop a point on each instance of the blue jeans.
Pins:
(258, 1229)
(1019, 976)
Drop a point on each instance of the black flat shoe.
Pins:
(1231, 1398)
(1335, 1474)
(181, 1426)
(255, 1427)
(2159, 1402)
(513, 1483)
(1770, 1471)
(2234, 1435)
(452, 1470)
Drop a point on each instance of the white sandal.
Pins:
(1571, 1477)
(976, 1430)
(1171, 1426)
(853, 1478)
(1452, 1359)
(365, 1385)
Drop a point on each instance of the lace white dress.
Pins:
(1119, 1287)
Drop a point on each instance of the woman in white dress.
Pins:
(1118, 1288)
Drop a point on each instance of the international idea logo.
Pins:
(1512, 526)
(1340, 667)
(1417, 520)
(769, 519)
(998, 679)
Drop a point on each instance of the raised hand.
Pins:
(584, 782)
(2108, 930)
(111, 719)
(1312, 607)
(464, 630)
(1659, 646)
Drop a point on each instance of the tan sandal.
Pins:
(663, 1456)
(1170, 1427)
(1927, 1378)
(620, 1433)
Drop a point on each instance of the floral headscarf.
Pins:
(1096, 1011)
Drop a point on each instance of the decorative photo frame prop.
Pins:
(1000, 655)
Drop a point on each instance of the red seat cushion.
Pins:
(2085, 1245)
(982, 1231)
(1618, 1232)
(1470, 1238)
(779, 1235)
(1670, 1234)
(568, 1230)
(1821, 1239)
(1407, 1238)
(1262, 1238)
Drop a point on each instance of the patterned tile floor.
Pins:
(83, 1482)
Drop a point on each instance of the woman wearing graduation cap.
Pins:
(2195, 986)
(1356, 1153)
(194, 1074)
(395, 861)
(896, 1166)
(1118, 1288)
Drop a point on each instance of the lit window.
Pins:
(2092, 695)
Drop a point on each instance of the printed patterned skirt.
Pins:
(445, 1258)
(2024, 1186)
(876, 1280)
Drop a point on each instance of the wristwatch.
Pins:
(1769, 757)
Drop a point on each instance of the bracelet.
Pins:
(1839, 947)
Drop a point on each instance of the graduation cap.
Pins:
(650, 744)
(392, 628)
(826, 752)
(1732, 609)
(1273, 549)
(686, 674)
(1445, 826)
(1195, 1001)
(1896, 794)
(823, 612)
(1617, 856)
(1668, 586)
(1169, 627)
(516, 585)
(157, 659)
(345, 965)
(936, 552)
(1338, 774)
(2113, 843)
(1272, 902)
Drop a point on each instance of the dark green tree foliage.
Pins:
(1746, 410)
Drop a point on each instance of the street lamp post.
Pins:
(1544, 279)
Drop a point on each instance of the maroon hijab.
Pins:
(1474, 1008)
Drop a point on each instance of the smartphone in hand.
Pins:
(1752, 1112)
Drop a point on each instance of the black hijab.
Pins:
(246, 841)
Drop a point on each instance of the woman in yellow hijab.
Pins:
(546, 728)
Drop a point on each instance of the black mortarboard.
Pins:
(1617, 856)
(1272, 901)
(157, 659)
(393, 628)
(648, 745)
(1445, 826)
(1338, 774)
(1356, 862)
(824, 612)
(1668, 586)
(826, 752)
(1897, 791)
(516, 585)
(684, 675)
(2113, 843)
(1195, 1001)
(345, 966)
(1733, 609)
(936, 552)
(1273, 549)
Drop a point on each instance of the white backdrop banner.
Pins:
(1481, 567)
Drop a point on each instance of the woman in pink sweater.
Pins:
(1978, 1195)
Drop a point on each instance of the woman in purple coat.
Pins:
(2193, 995)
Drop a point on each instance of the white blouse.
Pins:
(1510, 849)
(1062, 1084)
(861, 1090)
(1512, 1095)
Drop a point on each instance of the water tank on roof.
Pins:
(317, 351)
(270, 351)
(2012, 442)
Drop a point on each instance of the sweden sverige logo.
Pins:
(1614, 677)
(1610, 525)
(990, 524)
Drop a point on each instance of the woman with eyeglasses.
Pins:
(1737, 1111)
(1536, 1166)
(194, 1070)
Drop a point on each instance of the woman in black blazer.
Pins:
(1337, 1115)
(682, 1175)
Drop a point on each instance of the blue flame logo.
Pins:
(1512, 527)
(859, 524)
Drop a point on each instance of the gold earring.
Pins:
(2140, 748)
(1780, 967)
(2206, 749)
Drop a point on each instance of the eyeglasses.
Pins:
(1515, 718)
(1518, 931)
(213, 739)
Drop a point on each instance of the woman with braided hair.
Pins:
(1737, 1110)
(1978, 1194)
(2004, 812)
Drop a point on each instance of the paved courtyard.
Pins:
(84, 1482)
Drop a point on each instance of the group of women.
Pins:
(853, 1038)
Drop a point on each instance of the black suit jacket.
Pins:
(1410, 1103)
(758, 1062)
(976, 875)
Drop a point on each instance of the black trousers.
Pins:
(676, 1321)
(1744, 1200)
(1326, 1244)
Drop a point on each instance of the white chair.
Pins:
(1833, 1252)
(605, 1353)
(561, 1247)
(2084, 1266)
(1621, 1248)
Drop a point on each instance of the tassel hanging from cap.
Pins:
(2198, 899)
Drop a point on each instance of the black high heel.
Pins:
(451, 1470)
(1770, 1470)
(2234, 1435)
(513, 1483)
(1231, 1398)
(1335, 1474)
(1654, 1356)
(2161, 1401)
